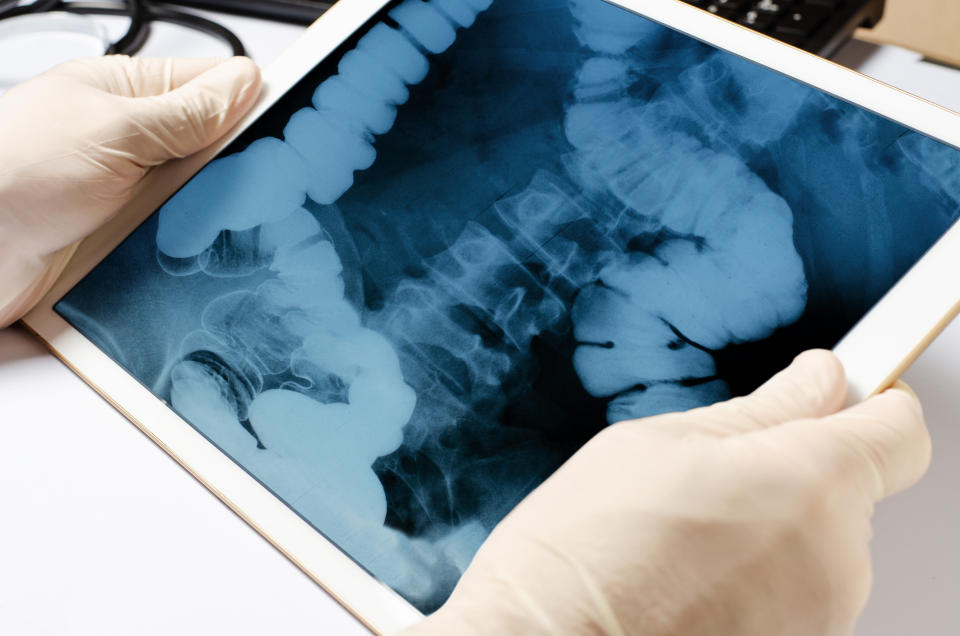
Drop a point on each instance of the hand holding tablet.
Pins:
(66, 166)
(748, 517)
(459, 238)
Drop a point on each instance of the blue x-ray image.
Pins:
(481, 232)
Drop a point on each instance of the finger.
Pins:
(181, 122)
(812, 386)
(881, 443)
(137, 76)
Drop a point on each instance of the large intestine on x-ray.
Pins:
(637, 265)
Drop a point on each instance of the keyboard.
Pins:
(818, 26)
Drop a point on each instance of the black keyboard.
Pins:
(819, 26)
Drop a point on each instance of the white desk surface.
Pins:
(101, 533)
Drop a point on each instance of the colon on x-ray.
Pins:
(481, 232)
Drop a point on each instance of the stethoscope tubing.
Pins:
(141, 14)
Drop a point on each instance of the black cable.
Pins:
(141, 14)
(162, 14)
(165, 13)
(39, 6)
(136, 35)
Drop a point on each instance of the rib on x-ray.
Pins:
(481, 232)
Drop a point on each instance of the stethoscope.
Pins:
(140, 12)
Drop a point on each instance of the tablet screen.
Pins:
(481, 232)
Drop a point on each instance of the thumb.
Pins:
(882, 443)
(889, 438)
(190, 117)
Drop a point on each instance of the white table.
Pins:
(101, 533)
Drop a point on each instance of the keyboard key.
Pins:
(724, 12)
(756, 20)
(803, 20)
(771, 7)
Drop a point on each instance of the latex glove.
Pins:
(750, 517)
(75, 141)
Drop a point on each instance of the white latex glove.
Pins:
(75, 140)
(747, 518)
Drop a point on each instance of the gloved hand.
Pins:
(747, 518)
(75, 140)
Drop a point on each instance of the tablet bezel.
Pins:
(906, 320)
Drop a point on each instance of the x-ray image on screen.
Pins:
(483, 231)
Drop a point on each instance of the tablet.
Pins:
(457, 238)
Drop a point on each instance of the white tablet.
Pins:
(457, 238)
